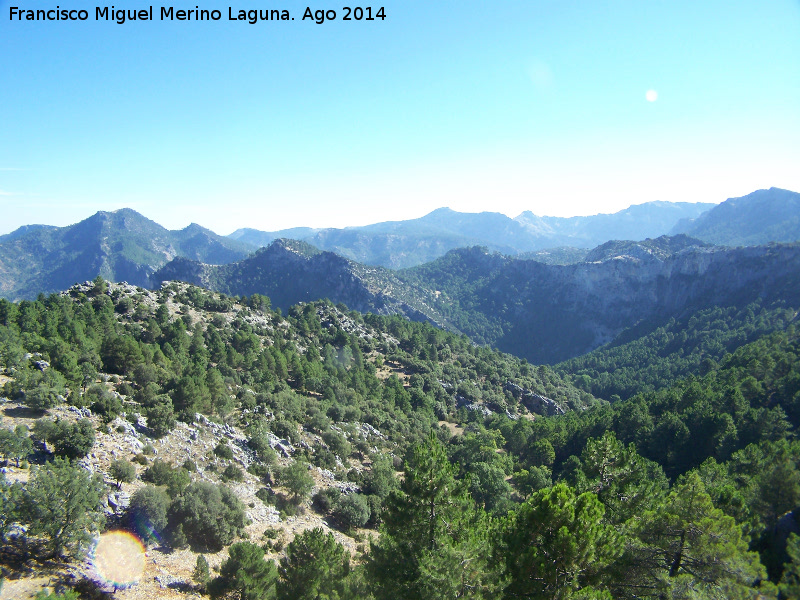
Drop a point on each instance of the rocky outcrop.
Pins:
(290, 272)
(536, 403)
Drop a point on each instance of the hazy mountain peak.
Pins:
(769, 215)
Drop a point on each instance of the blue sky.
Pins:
(502, 106)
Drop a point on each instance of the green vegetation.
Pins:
(315, 566)
(246, 574)
(685, 488)
(206, 516)
(61, 507)
(644, 358)
(122, 471)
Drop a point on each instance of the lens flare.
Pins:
(119, 558)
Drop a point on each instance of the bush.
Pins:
(161, 416)
(72, 441)
(266, 495)
(264, 452)
(223, 451)
(352, 511)
(337, 444)
(122, 471)
(206, 516)
(324, 459)
(324, 500)
(148, 512)
(163, 473)
(296, 479)
(284, 429)
(232, 473)
(201, 573)
(261, 471)
(102, 402)
(42, 397)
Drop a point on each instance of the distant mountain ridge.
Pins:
(290, 271)
(121, 246)
(764, 216)
(400, 244)
(545, 313)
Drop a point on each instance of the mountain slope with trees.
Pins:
(545, 313)
(688, 491)
(120, 246)
(761, 217)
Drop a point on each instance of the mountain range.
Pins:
(120, 246)
(771, 215)
(545, 313)
(546, 305)
(400, 244)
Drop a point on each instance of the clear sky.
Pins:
(558, 107)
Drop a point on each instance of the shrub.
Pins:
(296, 479)
(122, 471)
(148, 512)
(337, 443)
(72, 441)
(232, 473)
(324, 500)
(207, 516)
(161, 416)
(163, 473)
(42, 397)
(103, 402)
(352, 511)
(223, 451)
(261, 471)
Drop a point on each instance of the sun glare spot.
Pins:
(651, 95)
(119, 558)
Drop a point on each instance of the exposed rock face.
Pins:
(536, 403)
(545, 313)
(550, 313)
(290, 272)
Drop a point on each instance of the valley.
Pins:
(237, 414)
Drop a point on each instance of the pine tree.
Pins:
(790, 581)
(201, 575)
(246, 573)
(315, 566)
(625, 482)
(558, 543)
(434, 542)
(688, 543)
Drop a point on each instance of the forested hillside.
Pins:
(546, 313)
(213, 426)
(120, 246)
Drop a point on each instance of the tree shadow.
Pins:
(24, 412)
